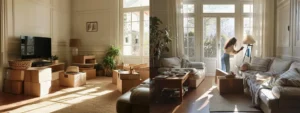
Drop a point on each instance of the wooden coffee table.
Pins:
(230, 85)
(171, 82)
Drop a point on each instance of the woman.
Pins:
(229, 50)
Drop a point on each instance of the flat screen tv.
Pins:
(35, 47)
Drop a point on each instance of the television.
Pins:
(35, 47)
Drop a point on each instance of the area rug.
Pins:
(97, 96)
(230, 103)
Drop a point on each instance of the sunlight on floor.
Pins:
(206, 93)
(202, 97)
(61, 102)
(236, 109)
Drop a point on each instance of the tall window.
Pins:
(135, 22)
(189, 31)
(247, 19)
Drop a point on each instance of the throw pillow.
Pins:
(172, 62)
(260, 64)
(279, 66)
(289, 78)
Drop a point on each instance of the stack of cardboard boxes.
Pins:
(86, 64)
(14, 81)
(38, 81)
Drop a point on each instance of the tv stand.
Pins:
(41, 63)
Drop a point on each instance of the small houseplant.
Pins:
(109, 61)
(54, 59)
(109, 64)
(159, 40)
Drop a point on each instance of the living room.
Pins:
(158, 56)
(61, 38)
(266, 44)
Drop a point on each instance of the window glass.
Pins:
(135, 3)
(212, 8)
(188, 8)
(248, 8)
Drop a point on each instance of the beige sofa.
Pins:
(276, 99)
(197, 69)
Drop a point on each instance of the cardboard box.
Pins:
(55, 75)
(37, 89)
(12, 86)
(38, 75)
(72, 79)
(90, 73)
(17, 75)
(55, 85)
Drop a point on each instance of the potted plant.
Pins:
(54, 59)
(159, 40)
(99, 69)
(109, 61)
(109, 64)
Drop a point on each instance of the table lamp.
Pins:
(74, 43)
(249, 41)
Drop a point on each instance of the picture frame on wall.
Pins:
(92, 26)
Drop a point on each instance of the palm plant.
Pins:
(159, 39)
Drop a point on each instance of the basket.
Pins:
(20, 64)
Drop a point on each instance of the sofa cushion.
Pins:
(295, 65)
(286, 92)
(173, 62)
(260, 64)
(123, 103)
(268, 98)
(289, 78)
(279, 66)
(140, 95)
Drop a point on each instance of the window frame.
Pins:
(141, 10)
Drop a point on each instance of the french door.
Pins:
(217, 30)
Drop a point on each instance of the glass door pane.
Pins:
(227, 31)
(210, 37)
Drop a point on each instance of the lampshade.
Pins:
(248, 40)
(74, 42)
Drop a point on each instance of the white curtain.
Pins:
(264, 28)
(175, 17)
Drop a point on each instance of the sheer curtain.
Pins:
(175, 18)
(264, 28)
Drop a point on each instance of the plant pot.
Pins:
(55, 62)
(100, 72)
(108, 72)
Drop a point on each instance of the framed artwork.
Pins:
(92, 26)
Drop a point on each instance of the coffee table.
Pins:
(171, 82)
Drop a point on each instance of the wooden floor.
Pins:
(10, 102)
(194, 101)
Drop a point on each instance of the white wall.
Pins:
(106, 13)
(47, 18)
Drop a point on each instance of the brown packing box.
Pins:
(72, 79)
(15, 75)
(38, 75)
(55, 85)
(12, 86)
(90, 73)
(37, 89)
(55, 75)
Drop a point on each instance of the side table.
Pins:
(230, 85)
